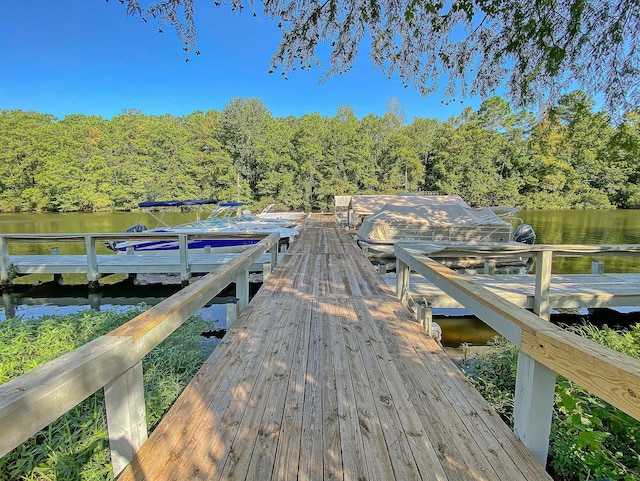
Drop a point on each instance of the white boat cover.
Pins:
(370, 204)
(440, 222)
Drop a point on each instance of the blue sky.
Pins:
(87, 56)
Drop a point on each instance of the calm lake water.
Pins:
(551, 227)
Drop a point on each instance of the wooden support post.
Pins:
(424, 314)
(185, 271)
(126, 423)
(402, 281)
(274, 255)
(242, 290)
(95, 299)
(533, 409)
(93, 276)
(597, 267)
(266, 271)
(543, 281)
(382, 268)
(57, 278)
(232, 311)
(9, 306)
(4, 262)
(490, 266)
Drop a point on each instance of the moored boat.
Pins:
(268, 214)
(437, 222)
(222, 234)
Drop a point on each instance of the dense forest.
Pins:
(569, 157)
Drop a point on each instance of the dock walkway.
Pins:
(325, 375)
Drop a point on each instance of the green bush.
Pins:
(590, 439)
(76, 446)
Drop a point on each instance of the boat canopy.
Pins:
(176, 203)
(441, 222)
(232, 204)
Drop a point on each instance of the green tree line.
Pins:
(571, 156)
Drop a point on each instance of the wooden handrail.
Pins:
(494, 249)
(610, 375)
(91, 240)
(33, 400)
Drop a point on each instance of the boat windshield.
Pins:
(208, 223)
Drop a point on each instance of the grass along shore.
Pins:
(76, 446)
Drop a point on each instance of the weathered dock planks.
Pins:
(123, 264)
(324, 376)
(565, 290)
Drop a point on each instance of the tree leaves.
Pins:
(536, 49)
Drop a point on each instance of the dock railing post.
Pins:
(424, 313)
(242, 289)
(544, 259)
(274, 255)
(232, 311)
(266, 271)
(490, 266)
(126, 422)
(533, 405)
(185, 271)
(597, 267)
(536, 383)
(4, 261)
(402, 281)
(93, 276)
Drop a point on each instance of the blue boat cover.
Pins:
(232, 204)
(175, 203)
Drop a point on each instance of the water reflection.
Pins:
(51, 299)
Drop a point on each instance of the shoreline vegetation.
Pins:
(76, 445)
(590, 439)
(568, 157)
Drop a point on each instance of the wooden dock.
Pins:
(127, 264)
(565, 290)
(326, 375)
(96, 265)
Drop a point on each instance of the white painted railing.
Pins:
(545, 350)
(113, 362)
(93, 264)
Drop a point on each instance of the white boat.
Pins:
(438, 221)
(267, 214)
(235, 212)
(223, 235)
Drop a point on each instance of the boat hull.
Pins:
(224, 244)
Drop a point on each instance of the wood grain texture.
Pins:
(326, 376)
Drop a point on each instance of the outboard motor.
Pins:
(113, 245)
(524, 233)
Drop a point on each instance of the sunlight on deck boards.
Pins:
(325, 375)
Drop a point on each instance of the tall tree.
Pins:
(587, 134)
(308, 154)
(207, 162)
(277, 167)
(624, 153)
(23, 144)
(243, 131)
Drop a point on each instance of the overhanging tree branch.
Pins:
(534, 48)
